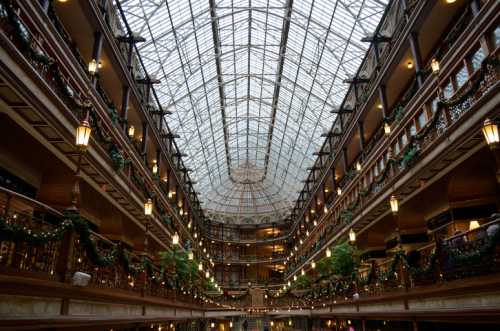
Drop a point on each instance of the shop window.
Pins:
(477, 59)
(461, 77)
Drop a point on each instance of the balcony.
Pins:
(49, 58)
(426, 119)
(50, 254)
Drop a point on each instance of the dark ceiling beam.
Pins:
(220, 81)
(279, 74)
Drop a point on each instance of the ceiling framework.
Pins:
(251, 84)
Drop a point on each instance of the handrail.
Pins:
(427, 83)
(466, 233)
(33, 201)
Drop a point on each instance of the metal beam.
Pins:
(217, 51)
(277, 86)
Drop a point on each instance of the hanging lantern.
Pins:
(148, 207)
(473, 225)
(490, 132)
(155, 167)
(207, 274)
(92, 67)
(83, 134)
(302, 272)
(313, 265)
(131, 131)
(358, 166)
(294, 278)
(339, 191)
(409, 65)
(435, 66)
(175, 239)
(328, 252)
(190, 255)
(200, 267)
(387, 128)
(352, 236)
(394, 204)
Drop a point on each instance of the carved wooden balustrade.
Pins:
(360, 188)
(19, 211)
(35, 243)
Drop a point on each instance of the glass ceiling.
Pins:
(251, 84)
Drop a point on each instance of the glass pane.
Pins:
(477, 59)
(248, 117)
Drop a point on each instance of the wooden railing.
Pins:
(72, 88)
(25, 225)
(19, 211)
(356, 195)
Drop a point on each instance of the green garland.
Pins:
(22, 36)
(117, 158)
(20, 233)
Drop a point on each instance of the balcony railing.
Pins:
(38, 241)
(360, 189)
(250, 259)
(72, 89)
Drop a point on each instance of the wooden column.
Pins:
(125, 103)
(376, 52)
(417, 58)
(383, 100)
(344, 157)
(158, 162)
(145, 135)
(361, 136)
(96, 52)
(130, 56)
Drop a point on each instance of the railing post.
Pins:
(64, 265)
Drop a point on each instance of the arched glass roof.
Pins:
(251, 84)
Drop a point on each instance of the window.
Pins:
(381, 164)
(448, 91)
(403, 140)
(496, 37)
(422, 119)
(477, 59)
(461, 77)
(396, 148)
(413, 129)
(434, 105)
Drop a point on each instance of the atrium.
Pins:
(250, 165)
